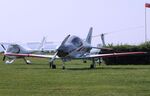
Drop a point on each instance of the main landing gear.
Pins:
(95, 61)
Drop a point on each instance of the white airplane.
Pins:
(47, 47)
(73, 47)
(18, 49)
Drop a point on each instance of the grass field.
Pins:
(20, 79)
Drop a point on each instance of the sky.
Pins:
(30, 20)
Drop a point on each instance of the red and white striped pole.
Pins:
(147, 5)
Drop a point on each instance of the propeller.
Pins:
(63, 42)
(3, 47)
(4, 52)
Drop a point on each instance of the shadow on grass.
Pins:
(113, 67)
(23, 64)
(79, 68)
(33, 68)
(87, 68)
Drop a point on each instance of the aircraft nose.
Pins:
(64, 50)
(62, 53)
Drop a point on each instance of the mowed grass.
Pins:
(20, 79)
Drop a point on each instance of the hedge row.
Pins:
(130, 59)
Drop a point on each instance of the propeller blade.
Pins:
(3, 46)
(64, 41)
(4, 52)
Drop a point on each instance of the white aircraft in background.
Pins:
(73, 47)
(45, 46)
(18, 49)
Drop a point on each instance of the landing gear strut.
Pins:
(52, 65)
(27, 61)
(92, 66)
(63, 65)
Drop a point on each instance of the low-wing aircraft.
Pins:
(18, 49)
(73, 47)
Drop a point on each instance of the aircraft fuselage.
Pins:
(74, 47)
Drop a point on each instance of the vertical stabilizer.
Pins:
(89, 36)
(41, 47)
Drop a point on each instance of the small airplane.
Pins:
(73, 47)
(18, 49)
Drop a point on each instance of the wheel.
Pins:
(92, 66)
(84, 61)
(28, 61)
(53, 66)
(63, 67)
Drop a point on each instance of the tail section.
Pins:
(41, 47)
(89, 36)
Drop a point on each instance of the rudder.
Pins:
(89, 36)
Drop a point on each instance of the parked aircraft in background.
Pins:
(46, 47)
(73, 47)
(18, 49)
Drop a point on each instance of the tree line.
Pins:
(129, 59)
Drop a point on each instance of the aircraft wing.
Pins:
(114, 54)
(30, 55)
(87, 56)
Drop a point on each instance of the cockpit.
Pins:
(76, 41)
(13, 49)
